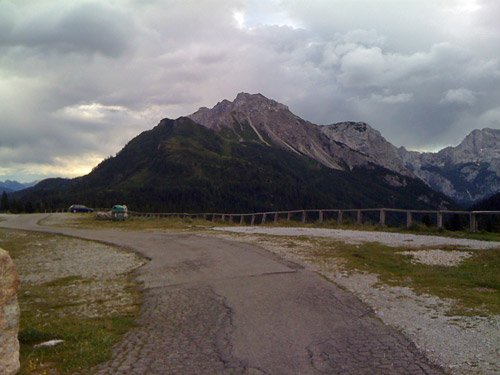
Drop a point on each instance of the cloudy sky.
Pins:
(78, 79)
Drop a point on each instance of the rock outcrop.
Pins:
(9, 315)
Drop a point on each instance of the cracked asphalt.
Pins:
(212, 306)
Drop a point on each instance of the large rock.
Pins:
(9, 315)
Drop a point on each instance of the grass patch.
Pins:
(87, 342)
(58, 309)
(63, 281)
(474, 283)
(138, 223)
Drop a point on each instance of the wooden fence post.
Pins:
(213, 218)
(264, 216)
(339, 218)
(439, 220)
(253, 220)
(382, 218)
(304, 214)
(276, 217)
(288, 216)
(409, 219)
(472, 222)
(359, 220)
(320, 217)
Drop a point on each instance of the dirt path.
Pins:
(212, 306)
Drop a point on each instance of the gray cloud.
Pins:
(81, 28)
(79, 79)
(460, 96)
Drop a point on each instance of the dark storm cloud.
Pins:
(79, 79)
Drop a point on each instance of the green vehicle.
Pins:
(119, 213)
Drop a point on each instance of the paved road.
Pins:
(212, 306)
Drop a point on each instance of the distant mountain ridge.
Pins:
(467, 173)
(11, 186)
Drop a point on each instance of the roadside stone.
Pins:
(9, 315)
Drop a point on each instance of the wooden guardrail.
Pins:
(275, 216)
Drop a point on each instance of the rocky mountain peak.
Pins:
(273, 123)
(467, 172)
(480, 145)
(483, 143)
(244, 105)
(257, 101)
(360, 127)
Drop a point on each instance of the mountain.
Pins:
(10, 186)
(467, 173)
(265, 139)
(271, 123)
(252, 164)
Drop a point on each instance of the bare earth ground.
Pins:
(461, 344)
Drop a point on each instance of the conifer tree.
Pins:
(4, 202)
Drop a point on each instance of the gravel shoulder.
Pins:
(355, 236)
(461, 344)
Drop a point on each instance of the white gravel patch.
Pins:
(63, 257)
(355, 236)
(438, 257)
